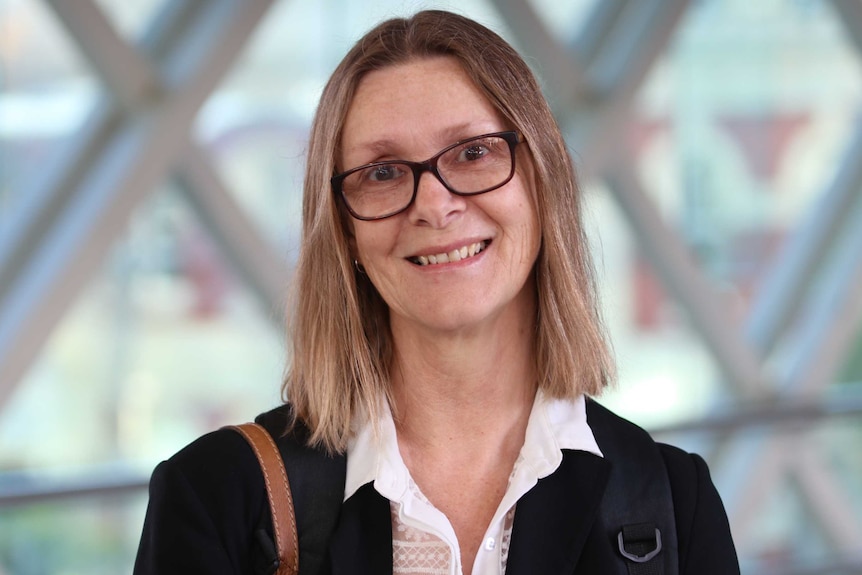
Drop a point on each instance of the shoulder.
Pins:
(702, 525)
(220, 472)
(605, 423)
(218, 475)
(223, 461)
(209, 497)
(703, 532)
(691, 483)
(620, 440)
(687, 473)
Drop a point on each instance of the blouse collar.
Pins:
(553, 425)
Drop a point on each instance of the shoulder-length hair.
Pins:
(342, 348)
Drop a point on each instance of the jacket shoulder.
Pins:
(211, 496)
(223, 460)
(702, 531)
(222, 471)
(205, 503)
(620, 440)
(605, 422)
(705, 541)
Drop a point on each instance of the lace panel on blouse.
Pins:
(419, 552)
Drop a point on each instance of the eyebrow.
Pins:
(448, 136)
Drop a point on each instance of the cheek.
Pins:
(372, 240)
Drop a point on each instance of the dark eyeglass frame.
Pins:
(511, 137)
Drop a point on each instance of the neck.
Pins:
(463, 385)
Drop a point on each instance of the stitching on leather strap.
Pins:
(269, 458)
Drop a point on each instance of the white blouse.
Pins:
(423, 540)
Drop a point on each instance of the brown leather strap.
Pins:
(278, 491)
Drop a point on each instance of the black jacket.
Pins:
(208, 510)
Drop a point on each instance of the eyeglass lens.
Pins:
(471, 167)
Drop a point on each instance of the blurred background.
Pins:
(151, 159)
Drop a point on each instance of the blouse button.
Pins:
(490, 544)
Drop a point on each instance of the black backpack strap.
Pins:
(637, 508)
(317, 482)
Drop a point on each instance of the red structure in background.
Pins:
(763, 142)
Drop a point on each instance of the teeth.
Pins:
(457, 255)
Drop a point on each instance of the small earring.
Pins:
(358, 267)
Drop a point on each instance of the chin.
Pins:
(458, 320)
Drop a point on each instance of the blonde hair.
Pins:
(342, 348)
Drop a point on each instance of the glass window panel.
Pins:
(131, 17)
(789, 530)
(778, 527)
(96, 536)
(665, 372)
(165, 344)
(782, 525)
(565, 20)
(852, 371)
(743, 124)
(46, 92)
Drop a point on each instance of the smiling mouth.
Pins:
(462, 253)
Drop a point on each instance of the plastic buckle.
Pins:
(640, 558)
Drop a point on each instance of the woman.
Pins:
(446, 337)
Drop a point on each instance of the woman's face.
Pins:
(410, 112)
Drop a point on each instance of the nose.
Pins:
(434, 205)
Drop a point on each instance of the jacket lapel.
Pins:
(362, 542)
(552, 522)
(554, 519)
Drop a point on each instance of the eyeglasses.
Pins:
(474, 166)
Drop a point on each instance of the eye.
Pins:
(383, 173)
(472, 152)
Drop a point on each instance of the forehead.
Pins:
(430, 100)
